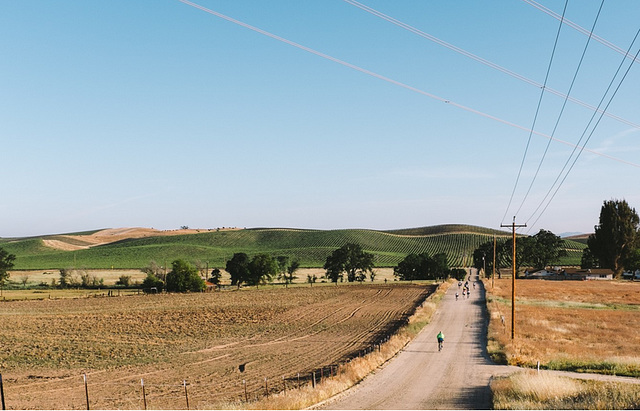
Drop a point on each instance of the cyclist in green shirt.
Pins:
(440, 340)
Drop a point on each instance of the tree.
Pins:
(412, 267)
(216, 276)
(524, 247)
(152, 282)
(459, 273)
(632, 261)
(283, 263)
(68, 278)
(262, 269)
(545, 249)
(439, 267)
(616, 235)
(588, 260)
(291, 270)
(238, 268)
(349, 259)
(124, 280)
(6, 264)
(184, 277)
(483, 256)
(422, 267)
(155, 269)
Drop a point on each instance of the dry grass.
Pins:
(531, 390)
(576, 326)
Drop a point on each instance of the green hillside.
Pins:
(311, 247)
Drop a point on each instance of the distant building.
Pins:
(576, 274)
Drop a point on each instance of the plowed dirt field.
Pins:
(209, 342)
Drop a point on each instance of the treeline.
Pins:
(615, 245)
(348, 263)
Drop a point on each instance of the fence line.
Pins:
(183, 391)
(259, 389)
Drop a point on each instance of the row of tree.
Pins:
(260, 269)
(425, 267)
(537, 251)
(615, 244)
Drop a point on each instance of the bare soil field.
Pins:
(110, 235)
(573, 325)
(211, 342)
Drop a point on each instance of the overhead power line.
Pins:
(564, 104)
(585, 131)
(583, 31)
(395, 82)
(481, 60)
(535, 119)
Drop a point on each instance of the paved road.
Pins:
(420, 377)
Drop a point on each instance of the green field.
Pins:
(311, 247)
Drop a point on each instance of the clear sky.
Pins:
(155, 113)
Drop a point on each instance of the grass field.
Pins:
(310, 247)
(543, 391)
(211, 341)
(586, 326)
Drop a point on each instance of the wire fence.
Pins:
(85, 391)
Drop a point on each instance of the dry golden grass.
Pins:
(578, 326)
(532, 390)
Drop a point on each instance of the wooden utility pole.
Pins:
(493, 269)
(513, 276)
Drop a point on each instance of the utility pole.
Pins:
(513, 277)
(493, 269)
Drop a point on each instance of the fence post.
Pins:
(144, 394)
(4, 407)
(298, 380)
(313, 379)
(284, 384)
(186, 395)
(246, 397)
(86, 389)
(266, 387)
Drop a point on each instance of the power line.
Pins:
(585, 130)
(583, 30)
(535, 118)
(395, 82)
(564, 104)
(481, 60)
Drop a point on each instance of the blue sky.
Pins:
(155, 113)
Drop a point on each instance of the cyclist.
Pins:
(440, 340)
(456, 296)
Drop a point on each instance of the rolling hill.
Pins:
(136, 248)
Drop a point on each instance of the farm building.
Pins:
(560, 274)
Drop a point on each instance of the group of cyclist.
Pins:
(466, 292)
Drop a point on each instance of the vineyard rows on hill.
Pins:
(310, 247)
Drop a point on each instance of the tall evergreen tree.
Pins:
(616, 235)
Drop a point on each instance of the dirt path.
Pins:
(420, 377)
